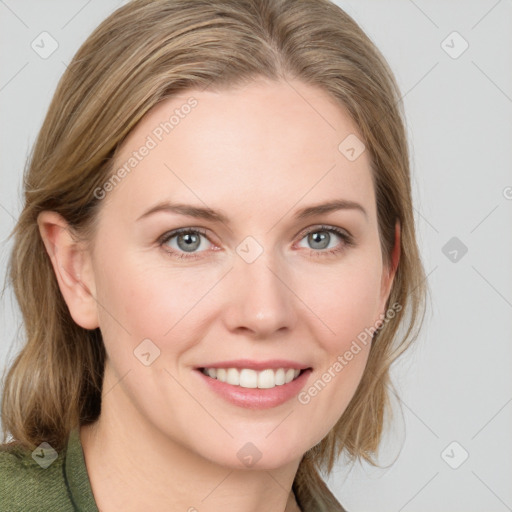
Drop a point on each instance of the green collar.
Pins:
(77, 479)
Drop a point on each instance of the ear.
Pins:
(72, 266)
(389, 272)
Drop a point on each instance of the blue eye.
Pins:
(187, 242)
(321, 237)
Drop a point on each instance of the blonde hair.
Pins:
(143, 53)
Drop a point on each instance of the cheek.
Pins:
(158, 302)
(347, 303)
(346, 300)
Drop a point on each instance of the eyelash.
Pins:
(347, 241)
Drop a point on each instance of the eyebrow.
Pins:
(215, 216)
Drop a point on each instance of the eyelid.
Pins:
(324, 227)
(319, 227)
(346, 236)
(168, 235)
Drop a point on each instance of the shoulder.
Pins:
(32, 480)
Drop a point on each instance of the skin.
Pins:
(257, 153)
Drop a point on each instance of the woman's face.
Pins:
(272, 280)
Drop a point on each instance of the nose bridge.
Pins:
(262, 301)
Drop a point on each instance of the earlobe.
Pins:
(72, 267)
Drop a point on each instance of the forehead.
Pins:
(264, 141)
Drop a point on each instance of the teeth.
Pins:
(247, 378)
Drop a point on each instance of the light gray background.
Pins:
(455, 384)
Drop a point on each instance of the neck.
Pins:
(133, 466)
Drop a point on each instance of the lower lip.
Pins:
(256, 398)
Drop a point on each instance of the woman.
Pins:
(214, 258)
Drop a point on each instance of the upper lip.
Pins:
(257, 365)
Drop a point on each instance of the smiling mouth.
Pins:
(248, 378)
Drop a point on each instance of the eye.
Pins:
(322, 242)
(184, 242)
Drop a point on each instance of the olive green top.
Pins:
(44, 480)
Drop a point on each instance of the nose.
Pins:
(260, 297)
